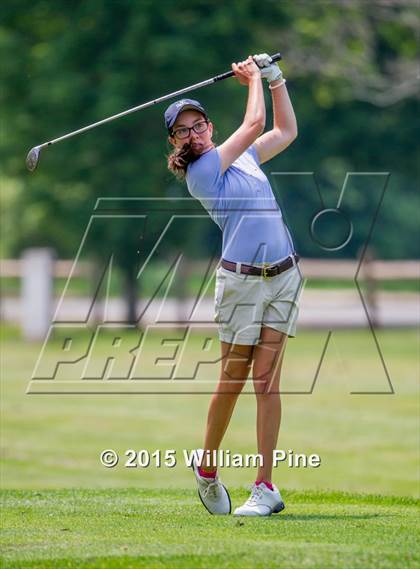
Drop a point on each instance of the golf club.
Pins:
(32, 158)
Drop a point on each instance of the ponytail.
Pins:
(179, 159)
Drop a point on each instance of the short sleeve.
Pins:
(204, 177)
(253, 151)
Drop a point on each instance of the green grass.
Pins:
(367, 443)
(132, 528)
(53, 518)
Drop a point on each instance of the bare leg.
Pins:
(268, 359)
(236, 362)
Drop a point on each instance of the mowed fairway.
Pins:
(367, 442)
(168, 528)
(62, 508)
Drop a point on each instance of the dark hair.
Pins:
(179, 159)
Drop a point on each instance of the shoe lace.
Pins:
(255, 497)
(212, 490)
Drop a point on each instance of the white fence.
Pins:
(38, 267)
(312, 268)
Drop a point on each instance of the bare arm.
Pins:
(254, 120)
(284, 129)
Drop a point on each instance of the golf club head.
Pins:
(33, 158)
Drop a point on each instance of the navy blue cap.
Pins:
(172, 112)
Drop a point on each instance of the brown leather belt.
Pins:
(267, 271)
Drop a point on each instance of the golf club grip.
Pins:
(274, 57)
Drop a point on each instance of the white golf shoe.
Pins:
(262, 502)
(213, 494)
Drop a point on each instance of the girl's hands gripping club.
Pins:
(246, 71)
(269, 70)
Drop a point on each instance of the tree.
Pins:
(350, 69)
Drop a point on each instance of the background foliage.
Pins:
(351, 74)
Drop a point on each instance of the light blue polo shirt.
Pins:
(243, 205)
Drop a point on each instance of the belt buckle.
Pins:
(264, 271)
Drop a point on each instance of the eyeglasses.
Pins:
(184, 131)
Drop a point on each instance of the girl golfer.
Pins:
(257, 281)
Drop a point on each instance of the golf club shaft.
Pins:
(128, 111)
(275, 57)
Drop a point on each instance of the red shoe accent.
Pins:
(268, 484)
(206, 473)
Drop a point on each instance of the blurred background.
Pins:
(351, 375)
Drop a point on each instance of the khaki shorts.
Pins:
(243, 303)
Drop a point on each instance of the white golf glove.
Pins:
(270, 71)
